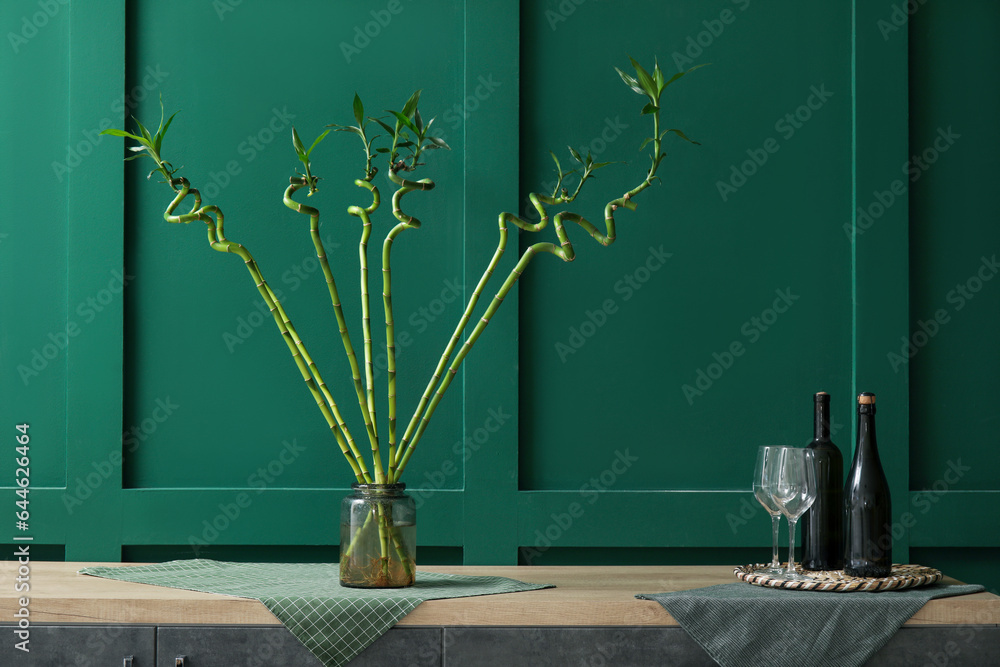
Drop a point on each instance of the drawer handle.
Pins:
(128, 661)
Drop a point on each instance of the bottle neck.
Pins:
(867, 444)
(821, 428)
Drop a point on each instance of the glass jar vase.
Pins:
(378, 537)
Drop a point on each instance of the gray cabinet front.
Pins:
(259, 646)
(80, 645)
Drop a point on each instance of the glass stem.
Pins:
(791, 545)
(775, 523)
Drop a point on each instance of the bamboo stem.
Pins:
(400, 548)
(357, 534)
(366, 231)
(383, 537)
(537, 201)
(218, 242)
(366, 324)
(405, 222)
(418, 424)
(296, 183)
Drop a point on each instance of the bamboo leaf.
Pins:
(645, 80)
(682, 136)
(658, 78)
(120, 133)
(630, 82)
(145, 133)
(359, 109)
(297, 143)
(439, 142)
(650, 108)
(348, 128)
(388, 128)
(576, 156)
(411, 104)
(319, 139)
(134, 157)
(163, 131)
(558, 166)
(645, 142)
(136, 149)
(418, 121)
(403, 120)
(160, 128)
(680, 74)
(382, 149)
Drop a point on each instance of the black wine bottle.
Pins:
(867, 505)
(823, 523)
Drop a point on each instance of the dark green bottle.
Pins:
(867, 505)
(823, 523)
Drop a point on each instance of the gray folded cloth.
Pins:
(741, 625)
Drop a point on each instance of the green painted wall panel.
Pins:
(945, 518)
(956, 303)
(35, 149)
(94, 244)
(743, 238)
(246, 399)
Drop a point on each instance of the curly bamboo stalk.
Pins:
(218, 242)
(564, 251)
(295, 184)
(405, 222)
(366, 231)
(536, 200)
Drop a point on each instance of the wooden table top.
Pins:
(584, 596)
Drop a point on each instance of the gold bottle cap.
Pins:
(866, 398)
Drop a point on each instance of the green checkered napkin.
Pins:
(333, 622)
(741, 625)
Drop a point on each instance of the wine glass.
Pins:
(791, 476)
(761, 491)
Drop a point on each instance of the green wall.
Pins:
(612, 410)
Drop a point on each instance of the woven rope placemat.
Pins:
(835, 581)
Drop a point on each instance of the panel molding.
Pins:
(880, 137)
(492, 41)
(95, 248)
